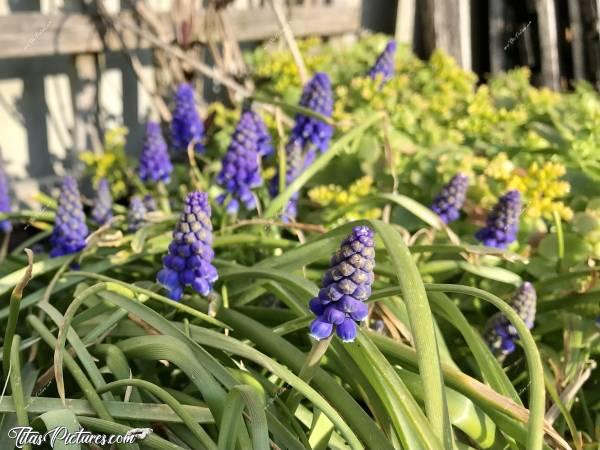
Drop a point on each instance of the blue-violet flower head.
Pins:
(102, 210)
(5, 207)
(502, 223)
(186, 125)
(385, 62)
(449, 201)
(346, 286)
(70, 229)
(189, 260)
(155, 163)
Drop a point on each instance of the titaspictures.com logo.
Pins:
(27, 435)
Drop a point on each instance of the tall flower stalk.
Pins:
(5, 207)
(186, 126)
(102, 210)
(502, 223)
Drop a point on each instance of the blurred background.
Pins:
(70, 70)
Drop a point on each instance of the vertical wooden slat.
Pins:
(496, 13)
(576, 39)
(405, 21)
(464, 13)
(548, 36)
(85, 97)
(441, 20)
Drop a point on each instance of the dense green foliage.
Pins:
(237, 369)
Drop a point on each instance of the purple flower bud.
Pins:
(385, 62)
(499, 333)
(502, 223)
(136, 213)
(186, 125)
(155, 164)
(264, 145)
(70, 230)
(450, 200)
(340, 303)
(240, 172)
(5, 225)
(189, 260)
(102, 211)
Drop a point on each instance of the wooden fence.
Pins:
(67, 72)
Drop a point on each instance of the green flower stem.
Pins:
(535, 434)
(16, 384)
(560, 240)
(279, 202)
(13, 315)
(308, 370)
(4, 247)
(163, 196)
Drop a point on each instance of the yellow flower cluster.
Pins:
(335, 195)
(500, 167)
(541, 186)
(107, 164)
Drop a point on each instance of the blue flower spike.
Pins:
(136, 213)
(240, 172)
(308, 135)
(155, 163)
(502, 223)
(384, 66)
(448, 203)
(499, 333)
(70, 229)
(190, 255)
(186, 125)
(102, 211)
(340, 304)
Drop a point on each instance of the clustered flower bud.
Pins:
(384, 66)
(308, 135)
(502, 223)
(449, 201)
(5, 225)
(136, 213)
(499, 333)
(346, 286)
(102, 210)
(189, 261)
(155, 164)
(70, 230)
(240, 171)
(186, 125)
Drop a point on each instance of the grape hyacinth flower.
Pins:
(70, 230)
(186, 125)
(499, 333)
(240, 171)
(449, 201)
(264, 145)
(503, 222)
(384, 66)
(308, 135)
(189, 261)
(102, 211)
(155, 164)
(5, 225)
(346, 287)
(310, 132)
(136, 213)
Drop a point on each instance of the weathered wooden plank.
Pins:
(72, 33)
(442, 24)
(498, 44)
(548, 42)
(405, 21)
